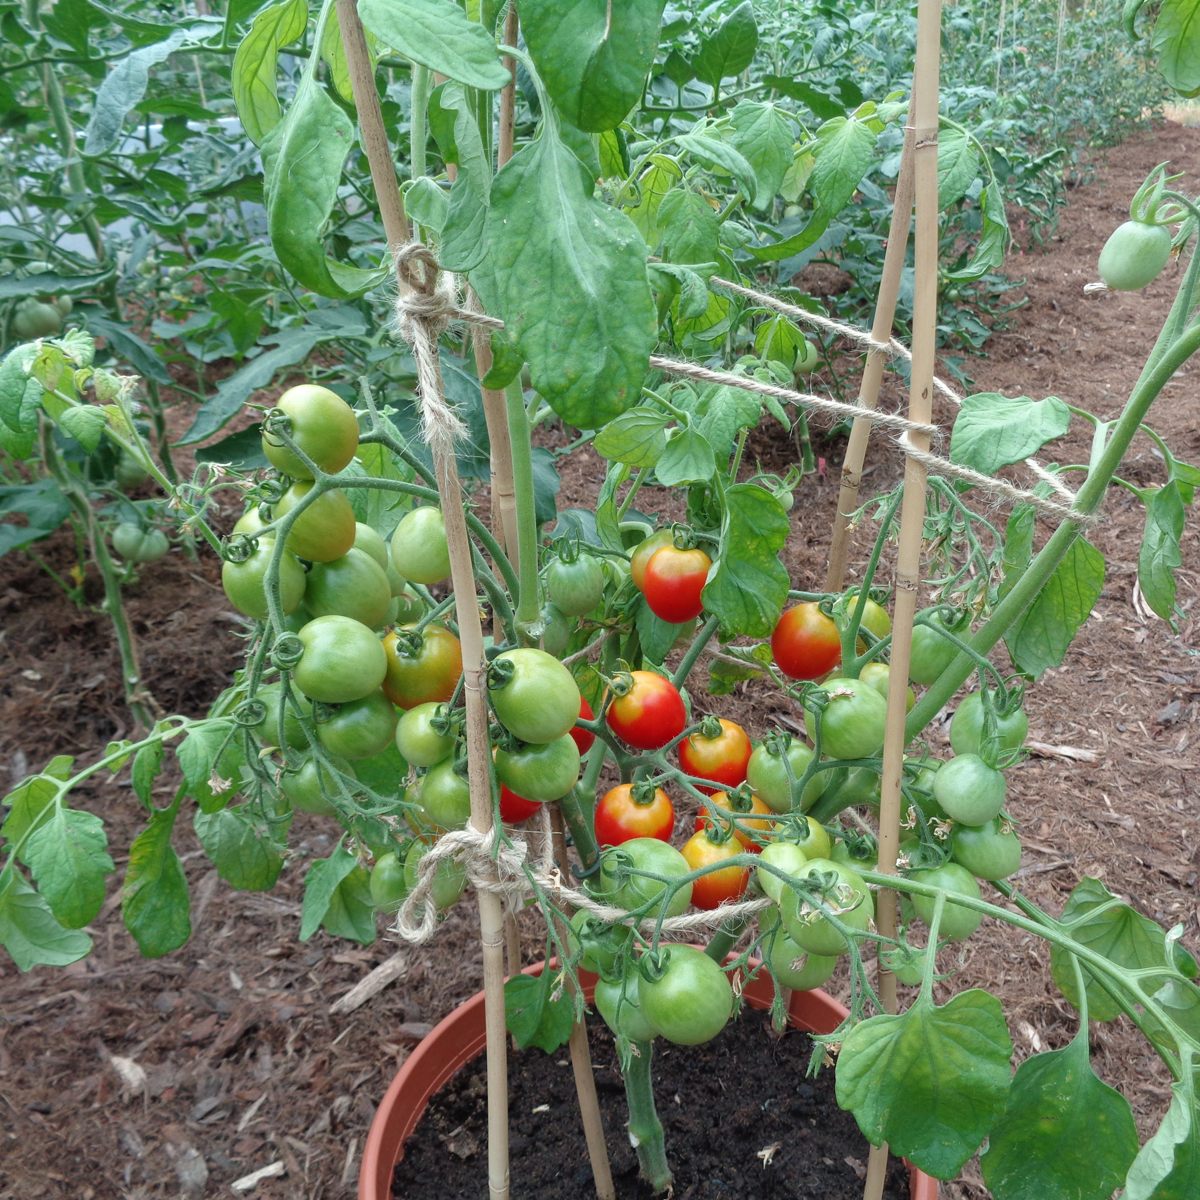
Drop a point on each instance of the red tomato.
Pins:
(725, 805)
(724, 883)
(513, 808)
(649, 714)
(673, 582)
(805, 643)
(584, 737)
(622, 815)
(722, 758)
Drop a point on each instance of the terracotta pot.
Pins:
(457, 1039)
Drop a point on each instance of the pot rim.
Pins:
(461, 1035)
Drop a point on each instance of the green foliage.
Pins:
(534, 1015)
(993, 431)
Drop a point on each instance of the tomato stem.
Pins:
(645, 1129)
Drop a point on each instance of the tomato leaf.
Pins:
(14, 380)
(1175, 42)
(636, 438)
(68, 858)
(147, 766)
(383, 773)
(302, 172)
(453, 124)
(1018, 546)
(1160, 556)
(1040, 637)
(654, 184)
(729, 50)
(721, 155)
(723, 677)
(85, 423)
(958, 165)
(331, 899)
(506, 363)
(254, 65)
(532, 1017)
(1168, 1165)
(930, 1081)
(28, 930)
(686, 458)
(722, 412)
(593, 55)
(437, 34)
(1120, 934)
(123, 87)
(749, 588)
(993, 431)
(44, 506)
(689, 228)
(155, 902)
(993, 237)
(762, 134)
(608, 528)
(245, 852)
(567, 275)
(26, 804)
(656, 635)
(1063, 1133)
(197, 753)
(676, 283)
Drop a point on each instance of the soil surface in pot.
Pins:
(725, 1107)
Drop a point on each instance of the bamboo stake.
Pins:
(581, 1055)
(508, 94)
(923, 117)
(370, 123)
(881, 331)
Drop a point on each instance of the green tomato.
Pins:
(419, 549)
(33, 319)
(575, 587)
(323, 426)
(540, 773)
(907, 964)
(342, 660)
(325, 529)
(618, 1002)
(351, 586)
(862, 786)
(410, 608)
(557, 632)
(539, 701)
(306, 788)
(796, 968)
(969, 790)
(966, 727)
(878, 675)
(449, 879)
(245, 587)
(361, 728)
(852, 722)
(691, 1001)
(296, 620)
(766, 773)
(847, 895)
(267, 730)
(135, 543)
(862, 853)
(988, 851)
(921, 790)
(634, 891)
(446, 796)
(808, 359)
(601, 944)
(369, 542)
(388, 886)
(958, 923)
(416, 739)
(130, 472)
(1134, 255)
(65, 305)
(932, 653)
(787, 856)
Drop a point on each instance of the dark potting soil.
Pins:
(723, 1107)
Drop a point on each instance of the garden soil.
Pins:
(129, 1078)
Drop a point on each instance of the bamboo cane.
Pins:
(923, 117)
(370, 123)
(881, 331)
(581, 1055)
(508, 94)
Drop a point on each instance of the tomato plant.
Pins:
(540, 772)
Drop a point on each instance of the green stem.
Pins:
(529, 609)
(694, 651)
(578, 815)
(1089, 499)
(158, 419)
(422, 81)
(723, 941)
(645, 1129)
